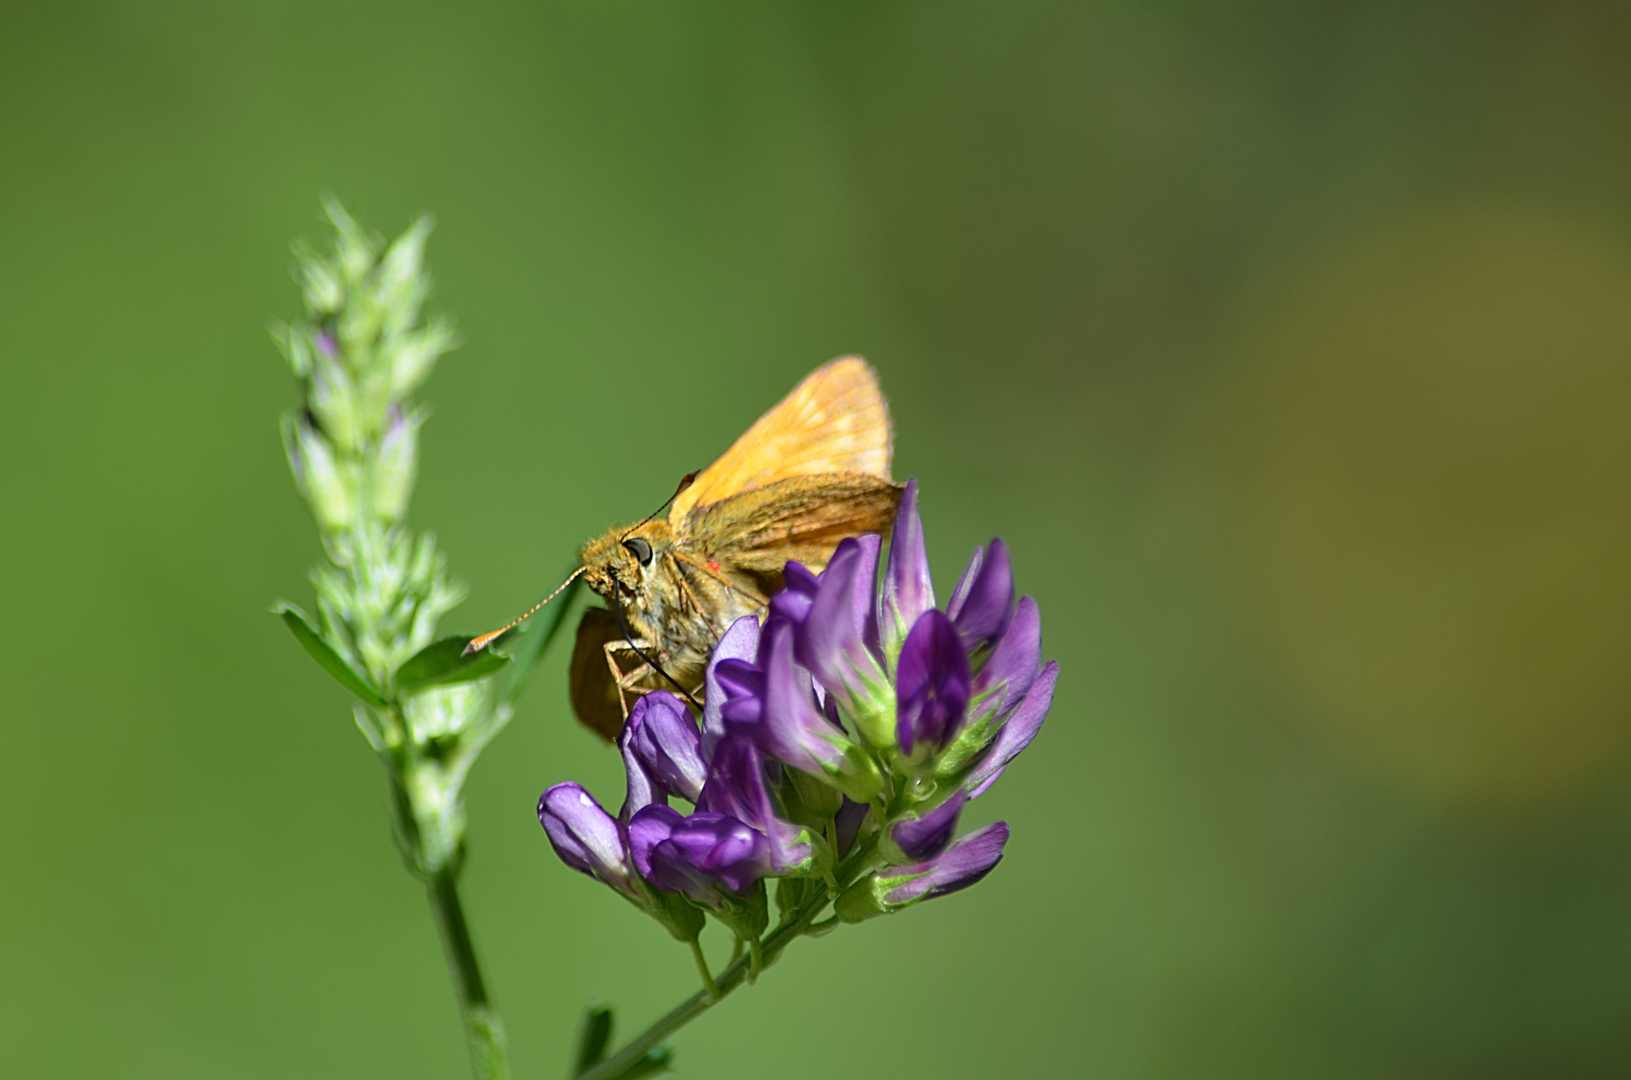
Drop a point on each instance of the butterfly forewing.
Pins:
(835, 421)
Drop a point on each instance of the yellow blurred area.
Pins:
(1435, 467)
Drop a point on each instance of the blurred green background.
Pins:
(1288, 345)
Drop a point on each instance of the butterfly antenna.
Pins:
(628, 638)
(685, 481)
(477, 644)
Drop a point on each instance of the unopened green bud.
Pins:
(861, 901)
(415, 356)
(330, 398)
(295, 345)
(857, 775)
(395, 465)
(319, 476)
(324, 294)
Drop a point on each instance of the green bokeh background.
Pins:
(1289, 346)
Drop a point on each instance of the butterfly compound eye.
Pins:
(639, 549)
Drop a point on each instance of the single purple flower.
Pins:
(585, 836)
(983, 602)
(932, 683)
(927, 836)
(1016, 734)
(662, 738)
(701, 856)
(1014, 662)
(836, 637)
(908, 590)
(964, 864)
(774, 705)
(959, 866)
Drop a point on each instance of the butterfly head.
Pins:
(622, 563)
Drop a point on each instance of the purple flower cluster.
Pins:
(842, 738)
(715, 856)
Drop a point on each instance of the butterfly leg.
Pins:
(626, 681)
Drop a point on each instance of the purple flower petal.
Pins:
(908, 590)
(927, 836)
(832, 638)
(650, 826)
(931, 683)
(964, 864)
(700, 856)
(983, 602)
(791, 728)
(642, 791)
(663, 739)
(1016, 734)
(741, 643)
(736, 787)
(1014, 662)
(585, 836)
(799, 587)
(717, 846)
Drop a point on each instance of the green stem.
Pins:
(736, 973)
(483, 1031)
(702, 968)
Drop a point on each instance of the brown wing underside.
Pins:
(835, 421)
(589, 680)
(800, 518)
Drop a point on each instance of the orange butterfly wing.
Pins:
(835, 421)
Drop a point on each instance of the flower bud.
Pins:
(908, 590)
(415, 356)
(920, 838)
(586, 837)
(395, 465)
(932, 684)
(964, 864)
(319, 476)
(331, 398)
(662, 738)
(982, 604)
(837, 634)
(703, 856)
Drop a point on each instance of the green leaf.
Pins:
(593, 1038)
(329, 660)
(443, 663)
(535, 639)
